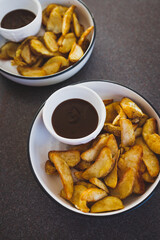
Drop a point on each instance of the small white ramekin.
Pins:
(30, 29)
(72, 92)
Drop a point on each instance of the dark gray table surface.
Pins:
(127, 51)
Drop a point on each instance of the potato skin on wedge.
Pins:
(107, 204)
(93, 194)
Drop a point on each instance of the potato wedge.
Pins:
(127, 133)
(142, 120)
(82, 165)
(112, 178)
(50, 41)
(27, 55)
(130, 108)
(66, 24)
(54, 22)
(93, 194)
(60, 59)
(139, 185)
(111, 112)
(51, 68)
(107, 101)
(8, 50)
(112, 145)
(77, 26)
(76, 198)
(138, 132)
(131, 159)
(125, 186)
(78, 175)
(76, 53)
(97, 182)
(110, 128)
(121, 115)
(149, 133)
(92, 153)
(147, 177)
(101, 167)
(107, 204)
(38, 48)
(50, 168)
(82, 147)
(84, 35)
(65, 174)
(67, 43)
(85, 183)
(30, 71)
(149, 158)
(71, 157)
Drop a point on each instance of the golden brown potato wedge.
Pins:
(65, 174)
(139, 185)
(27, 55)
(147, 177)
(101, 167)
(82, 165)
(112, 178)
(149, 158)
(130, 108)
(97, 182)
(107, 204)
(85, 183)
(149, 133)
(112, 145)
(46, 12)
(38, 48)
(8, 50)
(138, 132)
(125, 186)
(93, 194)
(50, 41)
(111, 112)
(30, 71)
(51, 68)
(54, 22)
(84, 35)
(92, 153)
(76, 53)
(60, 59)
(78, 175)
(121, 115)
(77, 26)
(71, 157)
(131, 159)
(67, 43)
(110, 128)
(127, 133)
(50, 168)
(66, 24)
(142, 120)
(107, 101)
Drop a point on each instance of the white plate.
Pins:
(86, 19)
(41, 142)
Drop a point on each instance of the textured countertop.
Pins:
(127, 51)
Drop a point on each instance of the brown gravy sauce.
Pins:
(74, 118)
(17, 19)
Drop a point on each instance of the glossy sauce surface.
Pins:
(17, 19)
(74, 118)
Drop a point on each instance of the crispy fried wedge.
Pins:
(50, 41)
(84, 35)
(85, 183)
(112, 145)
(92, 153)
(111, 112)
(149, 133)
(121, 115)
(51, 68)
(110, 128)
(71, 157)
(77, 26)
(54, 22)
(107, 101)
(65, 174)
(112, 178)
(130, 108)
(139, 185)
(27, 55)
(147, 177)
(127, 133)
(78, 175)
(107, 204)
(93, 194)
(138, 132)
(76, 53)
(82, 165)
(125, 186)
(30, 71)
(38, 48)
(49, 168)
(101, 167)
(60, 59)
(97, 182)
(149, 158)
(66, 24)
(67, 43)
(8, 50)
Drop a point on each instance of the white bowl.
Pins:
(41, 142)
(86, 19)
(68, 93)
(32, 28)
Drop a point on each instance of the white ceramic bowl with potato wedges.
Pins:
(86, 19)
(41, 142)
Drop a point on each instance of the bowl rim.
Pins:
(67, 69)
(53, 199)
